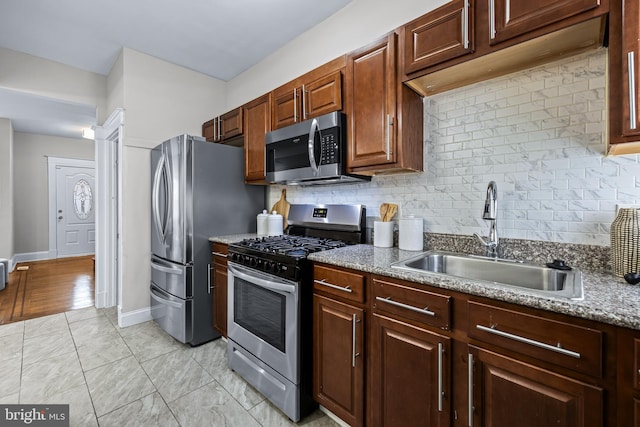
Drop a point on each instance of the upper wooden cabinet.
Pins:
(224, 128)
(384, 117)
(624, 75)
(257, 122)
(313, 94)
(512, 18)
(440, 35)
(505, 36)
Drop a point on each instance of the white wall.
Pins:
(160, 100)
(356, 25)
(540, 134)
(6, 190)
(27, 73)
(30, 186)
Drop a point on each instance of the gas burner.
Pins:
(289, 245)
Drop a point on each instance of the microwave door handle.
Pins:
(311, 146)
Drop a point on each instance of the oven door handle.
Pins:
(264, 283)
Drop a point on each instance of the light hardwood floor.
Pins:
(48, 287)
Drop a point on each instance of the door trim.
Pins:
(108, 276)
(52, 164)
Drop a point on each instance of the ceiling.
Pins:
(220, 38)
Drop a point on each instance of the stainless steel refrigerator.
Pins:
(197, 191)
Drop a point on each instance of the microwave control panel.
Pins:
(329, 150)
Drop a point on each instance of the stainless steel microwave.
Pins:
(310, 152)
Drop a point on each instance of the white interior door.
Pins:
(75, 220)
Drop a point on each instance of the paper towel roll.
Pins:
(411, 234)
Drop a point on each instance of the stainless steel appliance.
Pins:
(197, 191)
(270, 302)
(310, 152)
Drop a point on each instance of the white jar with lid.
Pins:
(263, 227)
(274, 227)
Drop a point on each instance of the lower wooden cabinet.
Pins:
(218, 283)
(338, 359)
(410, 375)
(390, 352)
(508, 392)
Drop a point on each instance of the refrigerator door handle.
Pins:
(160, 222)
(157, 295)
(165, 269)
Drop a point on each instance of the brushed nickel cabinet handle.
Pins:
(492, 19)
(354, 321)
(632, 89)
(323, 282)
(557, 349)
(219, 254)
(465, 24)
(440, 386)
(388, 300)
(295, 105)
(209, 285)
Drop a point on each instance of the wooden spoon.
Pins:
(387, 211)
(391, 211)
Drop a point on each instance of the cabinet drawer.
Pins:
(219, 252)
(341, 283)
(416, 304)
(563, 344)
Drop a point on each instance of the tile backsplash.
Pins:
(540, 134)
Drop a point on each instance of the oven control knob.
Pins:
(234, 257)
(253, 262)
(268, 265)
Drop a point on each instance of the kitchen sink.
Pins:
(535, 278)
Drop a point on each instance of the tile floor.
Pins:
(139, 375)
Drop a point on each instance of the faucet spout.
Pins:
(490, 213)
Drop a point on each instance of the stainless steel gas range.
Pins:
(270, 302)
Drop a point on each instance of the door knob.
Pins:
(60, 217)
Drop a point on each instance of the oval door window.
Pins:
(82, 199)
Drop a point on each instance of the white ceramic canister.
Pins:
(411, 233)
(262, 222)
(383, 234)
(274, 222)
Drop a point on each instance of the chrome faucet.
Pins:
(490, 213)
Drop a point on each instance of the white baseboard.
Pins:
(29, 256)
(134, 317)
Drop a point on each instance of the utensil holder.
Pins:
(383, 234)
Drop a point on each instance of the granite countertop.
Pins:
(607, 298)
(232, 238)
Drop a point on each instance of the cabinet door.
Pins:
(322, 96)
(286, 106)
(630, 62)
(230, 124)
(440, 35)
(410, 375)
(209, 129)
(338, 362)
(507, 392)
(257, 122)
(371, 111)
(511, 18)
(220, 298)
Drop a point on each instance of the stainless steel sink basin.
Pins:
(535, 278)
